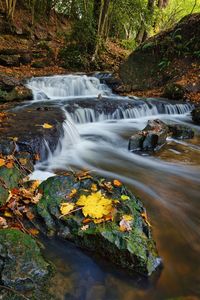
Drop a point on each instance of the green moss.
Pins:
(129, 250)
(22, 265)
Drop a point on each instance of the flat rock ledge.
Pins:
(123, 236)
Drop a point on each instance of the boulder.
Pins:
(10, 60)
(174, 91)
(180, 132)
(196, 115)
(8, 83)
(12, 173)
(122, 235)
(151, 138)
(32, 137)
(22, 266)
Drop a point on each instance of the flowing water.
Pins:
(96, 131)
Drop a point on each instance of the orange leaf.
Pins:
(117, 183)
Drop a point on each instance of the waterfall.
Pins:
(65, 86)
(82, 115)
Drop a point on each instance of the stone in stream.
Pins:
(180, 132)
(151, 138)
(123, 236)
(154, 136)
(196, 115)
(22, 266)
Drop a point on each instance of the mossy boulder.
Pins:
(9, 178)
(132, 249)
(174, 91)
(22, 266)
(155, 62)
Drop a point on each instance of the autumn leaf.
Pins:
(126, 223)
(35, 199)
(144, 216)
(2, 162)
(3, 223)
(95, 205)
(9, 164)
(23, 161)
(72, 193)
(84, 227)
(94, 187)
(117, 183)
(125, 197)
(66, 208)
(47, 126)
(33, 231)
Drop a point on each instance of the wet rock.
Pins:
(181, 132)
(19, 93)
(10, 60)
(8, 83)
(22, 266)
(31, 137)
(10, 176)
(151, 138)
(25, 59)
(132, 249)
(174, 91)
(196, 115)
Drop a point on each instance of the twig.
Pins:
(13, 291)
(69, 213)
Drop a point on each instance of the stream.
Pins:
(96, 131)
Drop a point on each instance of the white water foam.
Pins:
(66, 86)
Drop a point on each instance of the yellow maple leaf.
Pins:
(65, 208)
(95, 205)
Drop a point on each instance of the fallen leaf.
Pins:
(125, 197)
(117, 183)
(144, 216)
(84, 227)
(47, 126)
(95, 205)
(125, 223)
(72, 193)
(3, 223)
(2, 162)
(66, 208)
(7, 214)
(33, 231)
(9, 164)
(35, 199)
(94, 187)
(30, 215)
(23, 161)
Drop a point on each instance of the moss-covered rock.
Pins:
(9, 178)
(132, 249)
(174, 91)
(22, 266)
(154, 63)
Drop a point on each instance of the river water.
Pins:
(96, 131)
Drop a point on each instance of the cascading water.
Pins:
(96, 133)
(66, 86)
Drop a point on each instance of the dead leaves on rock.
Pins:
(7, 161)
